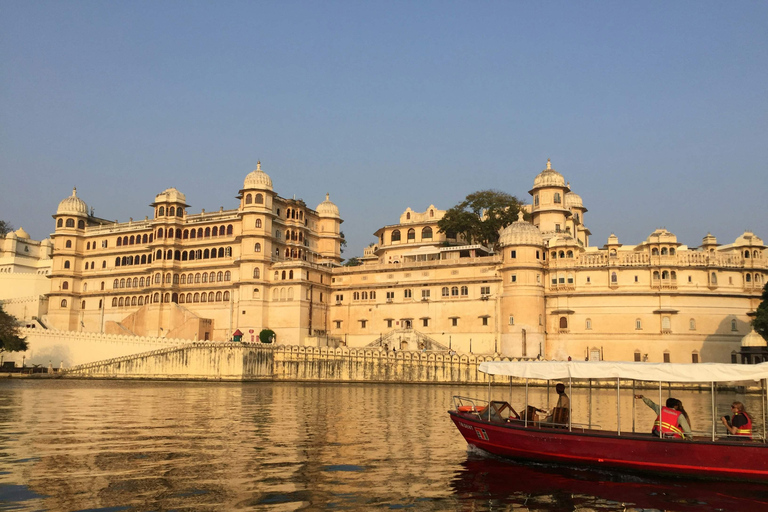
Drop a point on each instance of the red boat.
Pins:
(495, 427)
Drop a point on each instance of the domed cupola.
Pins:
(327, 208)
(258, 179)
(549, 178)
(20, 233)
(170, 195)
(520, 232)
(573, 200)
(753, 340)
(72, 205)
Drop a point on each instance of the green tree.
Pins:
(481, 216)
(266, 335)
(10, 341)
(342, 242)
(760, 323)
(352, 262)
(5, 228)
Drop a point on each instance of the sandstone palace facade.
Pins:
(274, 263)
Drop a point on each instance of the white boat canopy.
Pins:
(656, 372)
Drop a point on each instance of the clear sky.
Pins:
(656, 112)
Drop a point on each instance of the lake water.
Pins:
(68, 445)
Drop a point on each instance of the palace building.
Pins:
(275, 263)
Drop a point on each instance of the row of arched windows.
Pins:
(278, 275)
(454, 291)
(426, 234)
(292, 213)
(257, 199)
(134, 239)
(70, 223)
(198, 254)
(281, 294)
(755, 254)
(364, 295)
(179, 298)
(294, 235)
(203, 297)
(562, 254)
(136, 282)
(664, 251)
(123, 261)
(195, 233)
(172, 211)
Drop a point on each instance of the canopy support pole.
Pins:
(764, 384)
(526, 403)
(634, 408)
(570, 397)
(489, 397)
(589, 406)
(714, 412)
(618, 404)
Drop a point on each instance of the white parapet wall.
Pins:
(70, 348)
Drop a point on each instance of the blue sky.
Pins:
(656, 112)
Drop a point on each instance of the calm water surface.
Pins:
(111, 445)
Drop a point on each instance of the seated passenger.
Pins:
(671, 421)
(740, 427)
(562, 410)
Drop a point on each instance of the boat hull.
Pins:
(631, 452)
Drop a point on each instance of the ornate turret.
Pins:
(258, 179)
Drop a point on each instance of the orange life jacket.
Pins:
(744, 430)
(669, 419)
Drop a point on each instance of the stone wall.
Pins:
(70, 348)
(254, 361)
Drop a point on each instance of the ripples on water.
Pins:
(110, 445)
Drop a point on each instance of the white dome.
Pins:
(20, 233)
(753, 340)
(258, 179)
(327, 208)
(170, 195)
(520, 232)
(549, 178)
(73, 205)
(573, 200)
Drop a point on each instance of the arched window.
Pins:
(748, 277)
(570, 254)
(396, 235)
(290, 274)
(666, 323)
(218, 296)
(203, 297)
(563, 322)
(258, 223)
(206, 254)
(733, 324)
(207, 232)
(426, 233)
(59, 223)
(692, 324)
(167, 298)
(561, 254)
(227, 275)
(183, 279)
(248, 199)
(81, 224)
(672, 251)
(226, 296)
(119, 241)
(638, 324)
(141, 300)
(228, 252)
(557, 197)
(181, 299)
(115, 284)
(713, 278)
(665, 274)
(454, 291)
(114, 302)
(444, 292)
(65, 285)
(215, 231)
(256, 273)
(128, 283)
(614, 278)
(205, 277)
(161, 211)
(68, 245)
(66, 264)
(260, 199)
(221, 252)
(229, 229)
(196, 298)
(588, 324)
(464, 291)
(220, 276)
(664, 251)
(656, 274)
(673, 274)
(411, 234)
(121, 302)
(70, 223)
